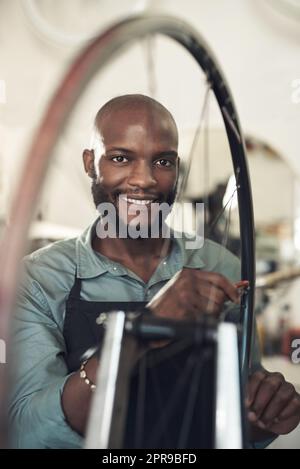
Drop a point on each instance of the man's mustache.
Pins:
(101, 195)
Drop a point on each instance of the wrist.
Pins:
(88, 372)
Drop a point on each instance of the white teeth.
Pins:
(139, 202)
(136, 201)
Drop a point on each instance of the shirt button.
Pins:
(115, 268)
(164, 263)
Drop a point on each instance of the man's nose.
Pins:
(142, 176)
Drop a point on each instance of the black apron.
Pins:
(172, 383)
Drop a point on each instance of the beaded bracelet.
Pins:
(83, 376)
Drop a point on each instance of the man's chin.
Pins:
(132, 229)
(137, 232)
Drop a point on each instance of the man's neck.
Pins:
(141, 256)
(132, 250)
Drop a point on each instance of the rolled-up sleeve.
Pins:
(39, 374)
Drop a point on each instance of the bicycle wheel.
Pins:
(96, 57)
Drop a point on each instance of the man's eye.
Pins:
(164, 163)
(119, 159)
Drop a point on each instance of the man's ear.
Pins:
(89, 163)
(178, 165)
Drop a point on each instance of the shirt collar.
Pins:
(185, 257)
(91, 264)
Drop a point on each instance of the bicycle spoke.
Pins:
(161, 427)
(195, 142)
(141, 398)
(191, 402)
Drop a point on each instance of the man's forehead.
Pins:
(140, 114)
(128, 122)
(134, 142)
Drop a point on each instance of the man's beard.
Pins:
(100, 196)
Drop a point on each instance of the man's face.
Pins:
(136, 162)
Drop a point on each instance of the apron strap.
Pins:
(76, 289)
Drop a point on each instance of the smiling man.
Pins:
(133, 164)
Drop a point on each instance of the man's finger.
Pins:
(266, 392)
(211, 293)
(230, 290)
(279, 402)
(291, 409)
(253, 385)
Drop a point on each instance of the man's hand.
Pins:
(273, 404)
(192, 292)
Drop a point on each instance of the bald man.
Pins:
(133, 164)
